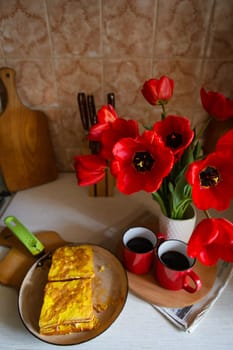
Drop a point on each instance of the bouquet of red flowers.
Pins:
(167, 161)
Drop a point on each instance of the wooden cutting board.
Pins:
(26, 152)
(16, 262)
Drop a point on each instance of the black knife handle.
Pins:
(92, 109)
(82, 103)
(111, 99)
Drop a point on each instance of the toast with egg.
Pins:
(67, 307)
(72, 262)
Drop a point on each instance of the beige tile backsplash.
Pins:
(61, 47)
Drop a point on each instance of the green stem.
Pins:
(181, 209)
(207, 214)
(205, 124)
(163, 115)
(159, 200)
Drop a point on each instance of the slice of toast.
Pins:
(67, 307)
(72, 262)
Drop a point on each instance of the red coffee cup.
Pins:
(173, 267)
(138, 250)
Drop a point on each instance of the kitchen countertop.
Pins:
(67, 209)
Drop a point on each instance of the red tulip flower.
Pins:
(175, 132)
(141, 163)
(211, 181)
(110, 129)
(121, 128)
(212, 239)
(158, 91)
(89, 169)
(106, 116)
(217, 105)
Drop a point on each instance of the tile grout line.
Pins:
(207, 38)
(155, 21)
(52, 56)
(101, 47)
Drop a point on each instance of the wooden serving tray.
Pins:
(16, 263)
(148, 289)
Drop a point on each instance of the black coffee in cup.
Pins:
(140, 245)
(175, 260)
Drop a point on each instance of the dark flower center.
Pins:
(143, 161)
(174, 140)
(209, 177)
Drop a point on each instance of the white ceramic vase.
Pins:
(178, 228)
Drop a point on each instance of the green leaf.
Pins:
(197, 151)
(171, 188)
(159, 200)
(147, 127)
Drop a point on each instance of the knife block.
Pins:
(104, 188)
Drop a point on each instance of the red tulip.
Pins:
(121, 128)
(158, 91)
(90, 169)
(211, 181)
(106, 116)
(175, 132)
(141, 163)
(212, 239)
(217, 105)
(110, 129)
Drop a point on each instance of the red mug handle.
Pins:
(191, 274)
(161, 237)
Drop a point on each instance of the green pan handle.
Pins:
(24, 235)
